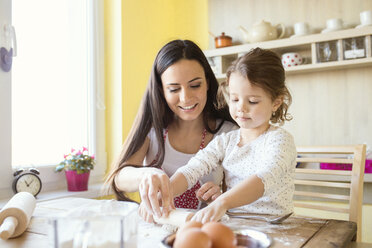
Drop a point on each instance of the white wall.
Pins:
(333, 107)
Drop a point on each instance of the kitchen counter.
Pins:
(294, 232)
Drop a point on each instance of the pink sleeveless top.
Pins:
(188, 199)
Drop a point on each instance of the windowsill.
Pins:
(94, 191)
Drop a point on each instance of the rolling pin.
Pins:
(16, 214)
(177, 217)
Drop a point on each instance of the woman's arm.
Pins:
(129, 178)
(242, 194)
(152, 183)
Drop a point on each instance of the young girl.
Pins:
(259, 158)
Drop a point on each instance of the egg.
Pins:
(221, 235)
(192, 237)
(188, 225)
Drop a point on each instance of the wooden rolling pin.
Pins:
(16, 214)
(176, 217)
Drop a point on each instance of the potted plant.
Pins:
(77, 166)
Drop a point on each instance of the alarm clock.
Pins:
(27, 180)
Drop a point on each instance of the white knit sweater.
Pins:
(271, 157)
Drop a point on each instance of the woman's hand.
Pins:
(155, 192)
(213, 212)
(208, 192)
(142, 212)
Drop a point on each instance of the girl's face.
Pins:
(185, 89)
(250, 106)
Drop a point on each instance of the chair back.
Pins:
(345, 186)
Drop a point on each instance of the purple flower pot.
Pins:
(77, 182)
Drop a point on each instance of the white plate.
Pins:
(363, 25)
(331, 30)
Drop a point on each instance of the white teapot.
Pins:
(262, 31)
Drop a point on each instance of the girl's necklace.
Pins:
(202, 145)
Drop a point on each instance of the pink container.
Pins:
(331, 166)
(77, 182)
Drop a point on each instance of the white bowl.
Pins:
(245, 238)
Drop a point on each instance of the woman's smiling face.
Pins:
(185, 89)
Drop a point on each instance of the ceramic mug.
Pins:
(334, 24)
(301, 28)
(366, 18)
(291, 59)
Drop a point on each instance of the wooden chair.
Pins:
(313, 183)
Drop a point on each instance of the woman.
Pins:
(177, 117)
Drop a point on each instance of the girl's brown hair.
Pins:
(262, 68)
(155, 113)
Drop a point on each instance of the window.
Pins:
(57, 84)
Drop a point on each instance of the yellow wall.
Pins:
(113, 77)
(146, 27)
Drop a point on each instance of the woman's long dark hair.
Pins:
(154, 111)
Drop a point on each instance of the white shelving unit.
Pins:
(307, 46)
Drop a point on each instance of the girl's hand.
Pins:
(208, 192)
(213, 212)
(142, 212)
(154, 189)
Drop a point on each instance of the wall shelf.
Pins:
(307, 46)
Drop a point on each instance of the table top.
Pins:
(293, 232)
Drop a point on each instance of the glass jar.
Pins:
(106, 223)
(354, 48)
(327, 51)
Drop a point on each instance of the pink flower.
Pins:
(85, 149)
(79, 152)
(92, 156)
(72, 149)
(65, 156)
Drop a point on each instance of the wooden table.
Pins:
(294, 232)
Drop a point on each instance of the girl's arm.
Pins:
(178, 184)
(242, 194)
(205, 161)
